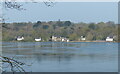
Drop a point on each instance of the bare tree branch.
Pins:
(14, 64)
(13, 4)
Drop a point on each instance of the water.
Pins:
(64, 57)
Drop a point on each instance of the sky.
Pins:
(65, 11)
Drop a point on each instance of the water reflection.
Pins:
(46, 54)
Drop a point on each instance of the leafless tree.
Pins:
(13, 4)
(14, 64)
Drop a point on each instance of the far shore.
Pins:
(92, 41)
(58, 41)
(95, 41)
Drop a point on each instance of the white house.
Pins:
(63, 39)
(60, 39)
(83, 38)
(39, 39)
(20, 38)
(54, 38)
(109, 39)
(67, 40)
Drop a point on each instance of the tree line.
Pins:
(68, 29)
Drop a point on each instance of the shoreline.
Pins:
(93, 41)
(67, 42)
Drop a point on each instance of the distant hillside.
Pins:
(68, 29)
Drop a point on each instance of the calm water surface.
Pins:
(64, 57)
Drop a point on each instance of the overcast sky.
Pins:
(72, 11)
